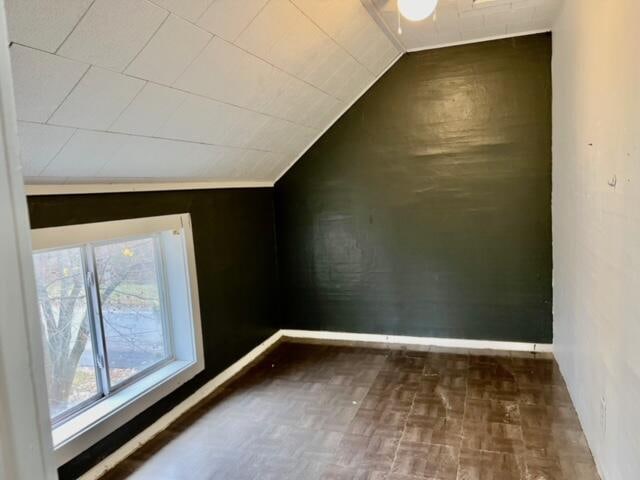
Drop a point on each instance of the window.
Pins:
(118, 305)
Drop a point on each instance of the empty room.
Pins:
(320, 240)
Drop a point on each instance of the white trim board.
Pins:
(479, 40)
(210, 387)
(82, 188)
(420, 341)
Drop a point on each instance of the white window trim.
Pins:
(83, 430)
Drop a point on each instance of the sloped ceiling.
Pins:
(184, 90)
(224, 91)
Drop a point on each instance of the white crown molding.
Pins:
(77, 189)
(209, 388)
(478, 40)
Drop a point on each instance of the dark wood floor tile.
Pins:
(556, 443)
(489, 357)
(488, 372)
(388, 381)
(446, 362)
(495, 389)
(498, 411)
(453, 381)
(401, 362)
(442, 403)
(482, 465)
(492, 437)
(433, 431)
(544, 395)
(372, 422)
(545, 417)
(374, 452)
(560, 469)
(432, 462)
(332, 412)
(328, 417)
(397, 399)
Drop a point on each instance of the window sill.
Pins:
(85, 429)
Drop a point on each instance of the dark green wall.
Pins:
(234, 242)
(426, 209)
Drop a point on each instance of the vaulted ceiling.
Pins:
(188, 90)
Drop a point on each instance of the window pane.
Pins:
(69, 360)
(131, 306)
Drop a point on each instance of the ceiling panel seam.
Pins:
(170, 139)
(64, 144)
(151, 37)
(84, 14)
(69, 92)
(338, 44)
(188, 92)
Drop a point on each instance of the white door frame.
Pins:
(26, 452)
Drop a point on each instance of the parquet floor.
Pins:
(351, 413)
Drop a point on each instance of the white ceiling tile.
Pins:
(347, 79)
(280, 136)
(113, 32)
(500, 18)
(545, 11)
(249, 164)
(43, 24)
(149, 110)
(541, 24)
(451, 36)
(469, 22)
(157, 158)
(39, 144)
(169, 52)
(272, 168)
(189, 9)
(485, 32)
(41, 81)
(97, 100)
(228, 18)
(85, 154)
(208, 121)
(287, 38)
(301, 103)
(284, 36)
(227, 73)
(350, 25)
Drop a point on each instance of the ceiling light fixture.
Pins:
(416, 10)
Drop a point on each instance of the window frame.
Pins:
(95, 319)
(82, 425)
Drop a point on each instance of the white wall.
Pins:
(596, 226)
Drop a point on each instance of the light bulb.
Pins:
(416, 10)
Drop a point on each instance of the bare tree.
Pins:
(64, 310)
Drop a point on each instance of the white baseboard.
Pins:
(422, 341)
(163, 422)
